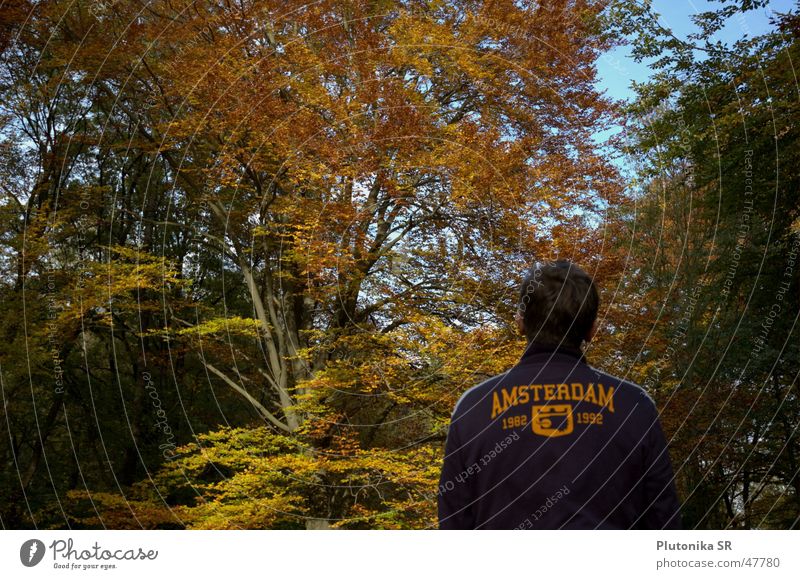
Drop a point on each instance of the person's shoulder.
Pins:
(476, 393)
(625, 387)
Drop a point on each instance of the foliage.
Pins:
(715, 267)
(274, 242)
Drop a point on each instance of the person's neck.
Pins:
(536, 348)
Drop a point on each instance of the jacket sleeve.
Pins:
(661, 505)
(454, 489)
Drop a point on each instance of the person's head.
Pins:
(558, 304)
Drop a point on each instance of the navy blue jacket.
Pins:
(554, 443)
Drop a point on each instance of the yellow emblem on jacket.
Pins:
(552, 419)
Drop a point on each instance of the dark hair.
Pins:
(558, 303)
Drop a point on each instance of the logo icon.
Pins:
(552, 419)
(31, 553)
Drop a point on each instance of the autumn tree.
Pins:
(714, 238)
(317, 214)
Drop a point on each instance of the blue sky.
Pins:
(617, 68)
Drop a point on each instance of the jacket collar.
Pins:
(549, 353)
